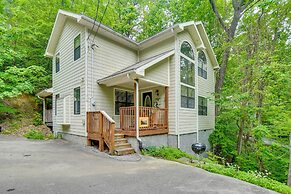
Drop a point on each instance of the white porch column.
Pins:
(137, 108)
(43, 111)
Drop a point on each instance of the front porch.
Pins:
(152, 121)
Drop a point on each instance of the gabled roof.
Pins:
(196, 31)
(138, 68)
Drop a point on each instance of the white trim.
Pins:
(153, 82)
(151, 91)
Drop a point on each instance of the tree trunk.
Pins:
(289, 173)
(240, 136)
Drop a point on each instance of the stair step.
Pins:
(122, 145)
(118, 135)
(120, 140)
(124, 151)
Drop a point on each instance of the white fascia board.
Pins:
(142, 69)
(108, 32)
(209, 48)
(57, 29)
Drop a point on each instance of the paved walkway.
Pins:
(57, 166)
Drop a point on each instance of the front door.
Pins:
(147, 99)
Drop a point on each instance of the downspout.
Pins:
(86, 79)
(176, 93)
(137, 112)
(196, 98)
(43, 109)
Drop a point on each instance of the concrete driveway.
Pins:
(57, 166)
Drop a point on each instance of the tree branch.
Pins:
(218, 16)
(246, 8)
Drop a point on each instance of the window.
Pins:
(202, 65)
(202, 106)
(122, 99)
(187, 72)
(77, 103)
(57, 62)
(77, 47)
(187, 50)
(187, 76)
(56, 103)
(187, 97)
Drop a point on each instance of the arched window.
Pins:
(187, 76)
(202, 65)
(187, 50)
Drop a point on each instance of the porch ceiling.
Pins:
(45, 93)
(143, 84)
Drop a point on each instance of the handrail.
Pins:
(157, 118)
(101, 127)
(107, 116)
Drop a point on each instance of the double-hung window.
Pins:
(77, 47)
(187, 76)
(77, 101)
(202, 106)
(202, 65)
(123, 98)
(57, 62)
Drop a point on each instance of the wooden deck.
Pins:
(132, 133)
(156, 121)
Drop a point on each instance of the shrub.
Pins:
(37, 119)
(34, 134)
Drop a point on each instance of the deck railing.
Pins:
(101, 127)
(154, 118)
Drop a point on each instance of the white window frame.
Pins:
(184, 84)
(203, 65)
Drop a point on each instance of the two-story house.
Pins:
(102, 79)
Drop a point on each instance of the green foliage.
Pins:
(210, 164)
(15, 81)
(37, 120)
(34, 134)
(168, 153)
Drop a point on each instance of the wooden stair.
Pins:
(121, 145)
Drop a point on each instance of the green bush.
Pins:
(168, 153)
(256, 178)
(37, 119)
(34, 134)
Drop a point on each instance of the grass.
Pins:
(175, 154)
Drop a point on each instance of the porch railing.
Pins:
(101, 127)
(153, 118)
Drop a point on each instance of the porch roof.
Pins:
(45, 93)
(134, 71)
